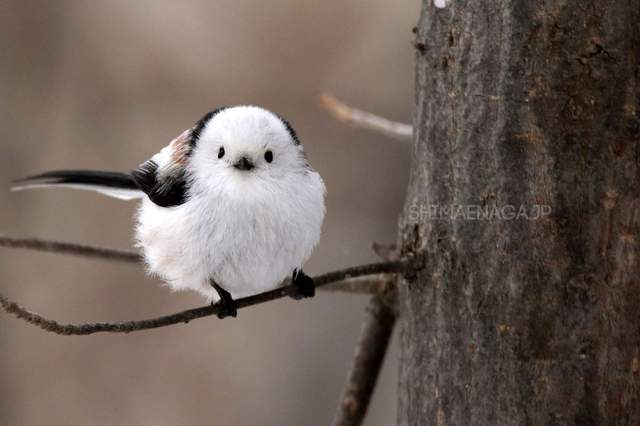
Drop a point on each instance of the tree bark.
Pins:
(524, 108)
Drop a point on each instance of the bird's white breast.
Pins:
(247, 237)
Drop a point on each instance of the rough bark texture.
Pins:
(516, 321)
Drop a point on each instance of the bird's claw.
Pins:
(227, 307)
(305, 287)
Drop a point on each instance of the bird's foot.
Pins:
(227, 307)
(305, 287)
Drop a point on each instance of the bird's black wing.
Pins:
(163, 178)
(166, 189)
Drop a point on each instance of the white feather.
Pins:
(247, 230)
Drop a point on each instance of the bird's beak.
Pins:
(243, 164)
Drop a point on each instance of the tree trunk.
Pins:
(525, 202)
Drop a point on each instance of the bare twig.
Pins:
(74, 249)
(367, 360)
(368, 285)
(361, 285)
(364, 119)
(191, 314)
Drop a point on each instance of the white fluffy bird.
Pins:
(230, 208)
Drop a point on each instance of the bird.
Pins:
(229, 208)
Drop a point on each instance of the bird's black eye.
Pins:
(268, 155)
(221, 152)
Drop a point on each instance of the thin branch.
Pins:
(370, 285)
(60, 247)
(367, 360)
(360, 285)
(364, 119)
(192, 314)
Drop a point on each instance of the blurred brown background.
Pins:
(105, 84)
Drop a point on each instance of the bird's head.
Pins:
(243, 146)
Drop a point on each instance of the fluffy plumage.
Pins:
(239, 220)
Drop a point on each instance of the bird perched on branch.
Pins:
(230, 208)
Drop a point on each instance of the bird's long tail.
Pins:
(113, 184)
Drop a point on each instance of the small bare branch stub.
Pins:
(364, 119)
(385, 251)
